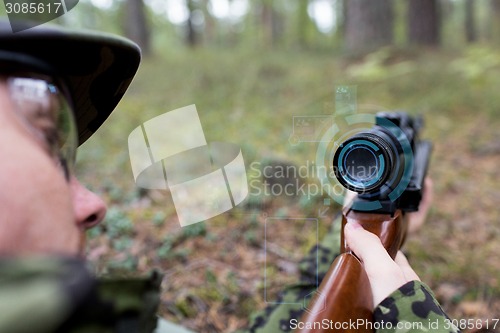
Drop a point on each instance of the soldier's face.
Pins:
(41, 211)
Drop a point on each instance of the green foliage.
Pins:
(476, 62)
(159, 219)
(117, 223)
(252, 238)
(282, 212)
(211, 237)
(253, 220)
(185, 307)
(169, 251)
(210, 276)
(129, 264)
(164, 251)
(194, 230)
(181, 253)
(94, 232)
(376, 67)
(115, 194)
(123, 243)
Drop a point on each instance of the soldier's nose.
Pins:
(88, 207)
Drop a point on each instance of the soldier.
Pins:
(56, 89)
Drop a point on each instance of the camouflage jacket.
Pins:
(412, 308)
(60, 295)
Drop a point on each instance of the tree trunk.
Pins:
(210, 23)
(136, 27)
(271, 22)
(495, 21)
(470, 24)
(341, 14)
(303, 23)
(266, 17)
(191, 33)
(368, 24)
(424, 22)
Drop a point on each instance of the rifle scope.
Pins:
(373, 160)
(386, 164)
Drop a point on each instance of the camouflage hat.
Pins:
(96, 67)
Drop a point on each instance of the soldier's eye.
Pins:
(46, 113)
(51, 137)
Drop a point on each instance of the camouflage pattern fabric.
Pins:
(413, 305)
(412, 308)
(60, 295)
(33, 295)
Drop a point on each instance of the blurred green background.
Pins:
(250, 66)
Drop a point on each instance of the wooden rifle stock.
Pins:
(344, 295)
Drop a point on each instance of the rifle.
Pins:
(386, 166)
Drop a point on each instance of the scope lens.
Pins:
(361, 165)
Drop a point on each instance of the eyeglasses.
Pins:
(43, 107)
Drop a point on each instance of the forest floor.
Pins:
(214, 270)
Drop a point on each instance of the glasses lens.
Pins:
(46, 112)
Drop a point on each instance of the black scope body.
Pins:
(374, 163)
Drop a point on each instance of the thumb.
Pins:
(366, 246)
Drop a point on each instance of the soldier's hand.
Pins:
(385, 275)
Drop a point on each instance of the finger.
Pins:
(404, 265)
(417, 219)
(428, 194)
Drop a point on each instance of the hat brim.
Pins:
(97, 67)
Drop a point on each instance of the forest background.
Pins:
(251, 67)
